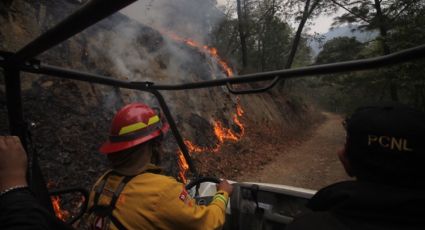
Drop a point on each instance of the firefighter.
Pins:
(385, 152)
(134, 194)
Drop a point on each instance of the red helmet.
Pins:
(134, 124)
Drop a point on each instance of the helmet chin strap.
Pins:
(156, 152)
(156, 157)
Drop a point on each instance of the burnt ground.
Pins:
(312, 163)
(260, 146)
(71, 119)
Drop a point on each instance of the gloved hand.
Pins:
(13, 163)
(225, 186)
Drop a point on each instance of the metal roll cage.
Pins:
(24, 61)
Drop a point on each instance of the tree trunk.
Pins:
(242, 34)
(261, 50)
(295, 43)
(265, 37)
(383, 32)
(297, 37)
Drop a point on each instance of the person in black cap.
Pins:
(385, 152)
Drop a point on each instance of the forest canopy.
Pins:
(264, 35)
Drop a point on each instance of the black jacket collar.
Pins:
(367, 201)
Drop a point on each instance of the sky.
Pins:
(320, 24)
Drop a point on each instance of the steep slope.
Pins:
(71, 119)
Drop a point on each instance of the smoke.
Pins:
(188, 18)
(142, 50)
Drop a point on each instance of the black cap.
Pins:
(388, 140)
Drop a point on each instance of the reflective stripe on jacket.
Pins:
(154, 201)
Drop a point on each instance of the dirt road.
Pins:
(311, 164)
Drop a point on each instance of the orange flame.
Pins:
(56, 203)
(61, 214)
(198, 149)
(222, 134)
(239, 114)
(212, 51)
(183, 166)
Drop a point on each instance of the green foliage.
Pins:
(401, 25)
(384, 16)
(365, 13)
(304, 54)
(269, 45)
(295, 8)
(268, 37)
(340, 49)
(225, 37)
(344, 92)
(408, 29)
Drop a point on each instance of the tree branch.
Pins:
(350, 11)
(315, 3)
(402, 10)
(231, 40)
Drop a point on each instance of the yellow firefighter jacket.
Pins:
(153, 201)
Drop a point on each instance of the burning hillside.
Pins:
(208, 50)
(221, 133)
(225, 134)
